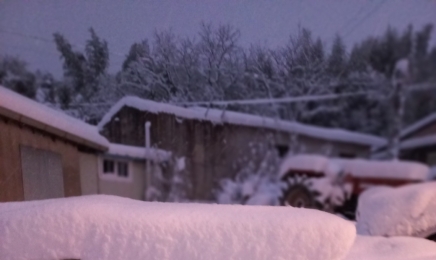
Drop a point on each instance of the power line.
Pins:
(38, 38)
(272, 100)
(359, 22)
(411, 88)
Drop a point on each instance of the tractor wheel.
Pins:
(299, 196)
(297, 193)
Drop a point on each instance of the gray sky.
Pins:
(261, 22)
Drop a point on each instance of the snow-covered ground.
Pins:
(108, 227)
(393, 248)
(405, 211)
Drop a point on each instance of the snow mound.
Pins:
(405, 211)
(398, 248)
(107, 227)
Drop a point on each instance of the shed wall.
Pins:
(211, 150)
(12, 136)
(88, 173)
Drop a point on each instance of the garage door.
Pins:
(42, 174)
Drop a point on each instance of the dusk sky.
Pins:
(26, 27)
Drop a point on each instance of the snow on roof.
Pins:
(303, 162)
(30, 112)
(108, 227)
(418, 142)
(136, 152)
(230, 117)
(418, 125)
(356, 167)
(405, 211)
(386, 248)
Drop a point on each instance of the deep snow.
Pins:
(393, 248)
(405, 211)
(107, 227)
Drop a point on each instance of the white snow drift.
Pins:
(405, 211)
(106, 227)
(392, 248)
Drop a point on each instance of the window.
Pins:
(347, 155)
(123, 169)
(108, 166)
(115, 169)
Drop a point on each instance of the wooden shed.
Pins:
(42, 150)
(213, 142)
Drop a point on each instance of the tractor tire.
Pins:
(297, 193)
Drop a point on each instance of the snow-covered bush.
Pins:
(257, 181)
(170, 184)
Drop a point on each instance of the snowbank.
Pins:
(106, 227)
(221, 116)
(136, 152)
(398, 248)
(405, 211)
(38, 115)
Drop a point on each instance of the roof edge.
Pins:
(50, 129)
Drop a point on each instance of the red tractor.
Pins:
(334, 184)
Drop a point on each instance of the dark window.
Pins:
(108, 166)
(123, 169)
(282, 150)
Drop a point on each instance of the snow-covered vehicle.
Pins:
(334, 184)
(403, 211)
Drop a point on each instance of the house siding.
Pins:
(88, 173)
(13, 135)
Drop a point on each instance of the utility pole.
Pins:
(400, 78)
